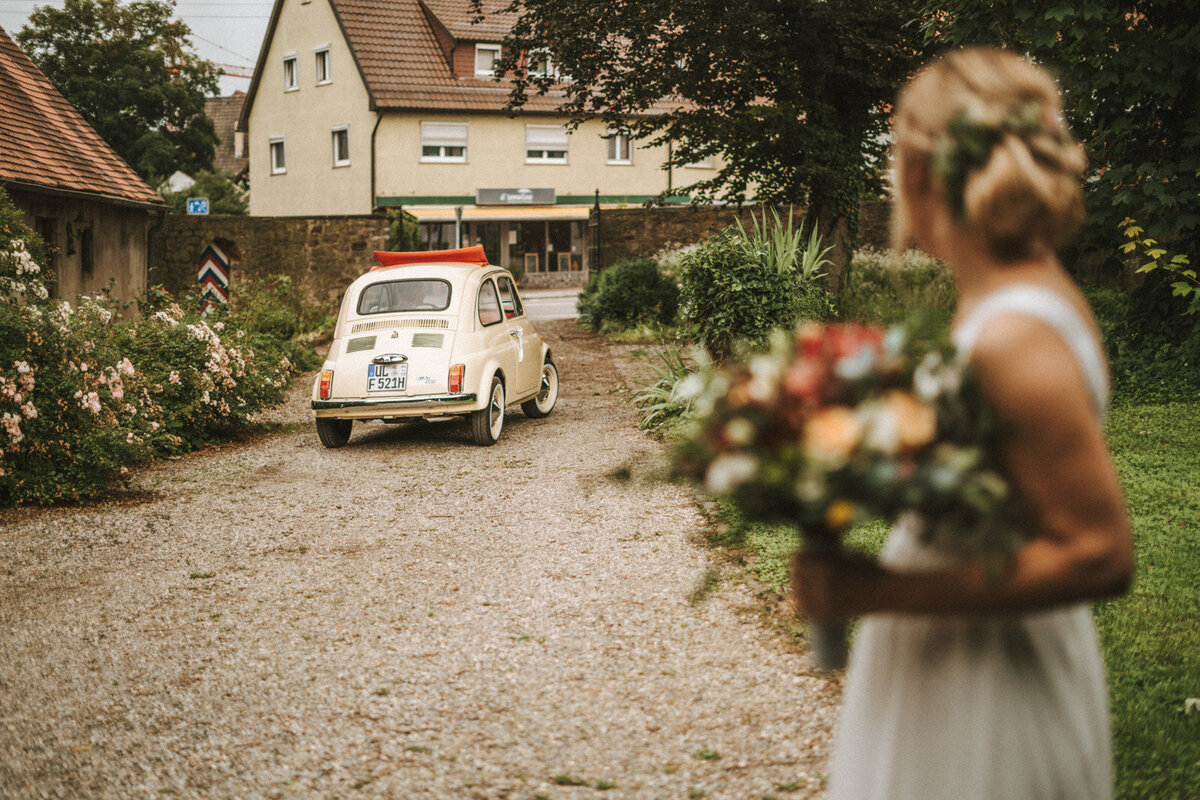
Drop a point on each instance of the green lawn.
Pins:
(1151, 637)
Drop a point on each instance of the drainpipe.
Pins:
(378, 119)
(669, 175)
(458, 226)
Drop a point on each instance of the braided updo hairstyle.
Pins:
(988, 124)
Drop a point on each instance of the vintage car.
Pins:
(433, 335)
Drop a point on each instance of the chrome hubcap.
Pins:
(496, 410)
(549, 390)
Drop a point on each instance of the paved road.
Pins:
(409, 617)
(551, 304)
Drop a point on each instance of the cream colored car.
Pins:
(433, 339)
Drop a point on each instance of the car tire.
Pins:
(541, 404)
(334, 432)
(487, 422)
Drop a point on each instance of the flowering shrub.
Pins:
(90, 389)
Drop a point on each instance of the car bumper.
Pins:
(375, 408)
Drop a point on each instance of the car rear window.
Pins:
(391, 297)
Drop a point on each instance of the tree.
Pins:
(130, 72)
(224, 195)
(792, 95)
(1131, 80)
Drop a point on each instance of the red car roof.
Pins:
(464, 255)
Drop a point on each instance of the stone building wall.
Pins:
(320, 254)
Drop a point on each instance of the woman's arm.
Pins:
(1054, 452)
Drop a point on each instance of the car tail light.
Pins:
(326, 384)
(456, 378)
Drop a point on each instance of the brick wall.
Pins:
(321, 254)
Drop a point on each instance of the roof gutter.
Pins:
(74, 194)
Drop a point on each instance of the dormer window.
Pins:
(541, 65)
(486, 56)
(291, 73)
(324, 69)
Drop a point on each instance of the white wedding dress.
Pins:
(1003, 707)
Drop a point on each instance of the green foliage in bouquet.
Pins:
(628, 293)
(842, 423)
(740, 285)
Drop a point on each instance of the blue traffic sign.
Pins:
(197, 205)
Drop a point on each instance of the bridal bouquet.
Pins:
(841, 423)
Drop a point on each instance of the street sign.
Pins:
(197, 205)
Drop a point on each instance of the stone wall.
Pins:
(633, 232)
(320, 254)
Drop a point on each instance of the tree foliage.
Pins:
(1131, 78)
(130, 72)
(791, 95)
(223, 193)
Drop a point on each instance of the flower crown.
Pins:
(970, 137)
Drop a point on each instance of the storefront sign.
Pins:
(514, 197)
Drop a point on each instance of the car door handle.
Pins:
(514, 333)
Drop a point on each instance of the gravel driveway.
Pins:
(407, 617)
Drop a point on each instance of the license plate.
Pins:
(386, 377)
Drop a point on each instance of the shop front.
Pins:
(519, 230)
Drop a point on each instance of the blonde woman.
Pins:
(969, 681)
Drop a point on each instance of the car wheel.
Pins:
(487, 422)
(541, 404)
(333, 432)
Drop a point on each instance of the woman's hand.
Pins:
(835, 586)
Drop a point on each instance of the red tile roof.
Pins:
(460, 20)
(45, 142)
(403, 65)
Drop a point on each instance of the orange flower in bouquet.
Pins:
(840, 423)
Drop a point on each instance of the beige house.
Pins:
(93, 210)
(362, 105)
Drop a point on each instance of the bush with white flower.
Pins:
(91, 388)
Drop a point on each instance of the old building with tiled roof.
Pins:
(77, 193)
(230, 153)
(362, 105)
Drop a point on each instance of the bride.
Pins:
(968, 682)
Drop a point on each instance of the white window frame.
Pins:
(614, 151)
(486, 48)
(704, 163)
(278, 168)
(333, 132)
(441, 135)
(543, 152)
(550, 70)
(321, 55)
(293, 73)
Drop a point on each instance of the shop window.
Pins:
(444, 141)
(323, 65)
(278, 158)
(486, 56)
(291, 73)
(545, 144)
